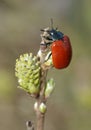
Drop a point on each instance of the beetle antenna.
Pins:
(51, 23)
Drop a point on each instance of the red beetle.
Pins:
(61, 49)
(61, 52)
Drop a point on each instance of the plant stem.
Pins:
(40, 121)
(41, 98)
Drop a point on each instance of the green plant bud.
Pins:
(42, 108)
(27, 70)
(49, 87)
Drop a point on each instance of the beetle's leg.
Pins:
(48, 56)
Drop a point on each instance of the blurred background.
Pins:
(69, 107)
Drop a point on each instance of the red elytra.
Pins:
(61, 53)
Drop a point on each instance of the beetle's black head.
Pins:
(52, 34)
(55, 35)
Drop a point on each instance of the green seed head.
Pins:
(27, 70)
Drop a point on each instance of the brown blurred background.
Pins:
(69, 108)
